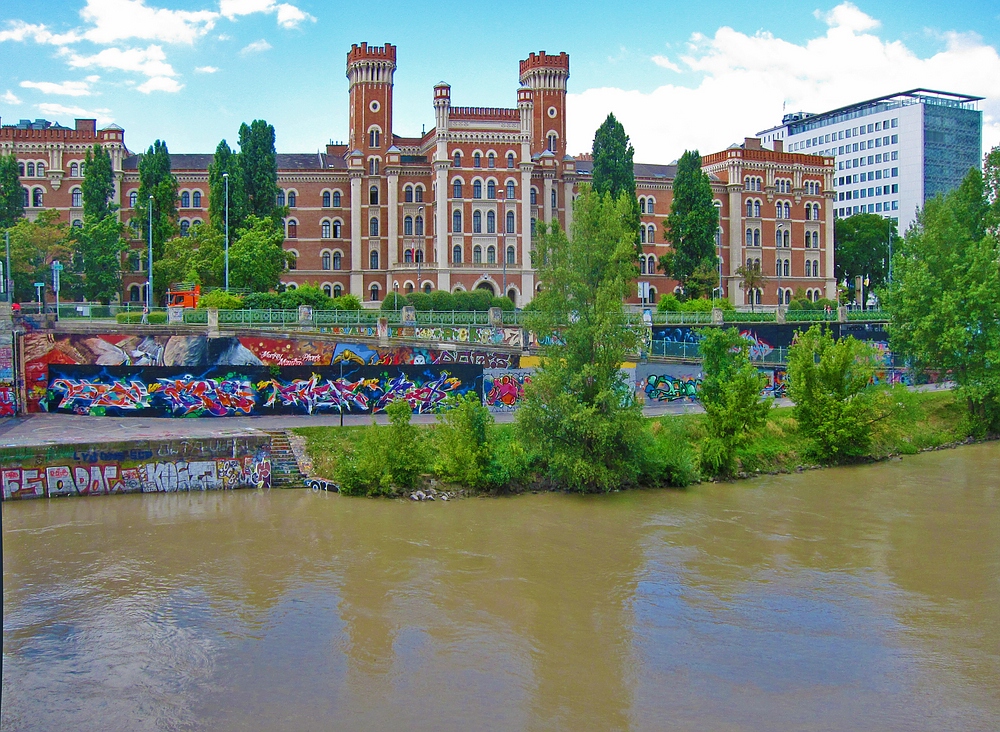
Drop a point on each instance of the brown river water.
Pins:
(864, 598)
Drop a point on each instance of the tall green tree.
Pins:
(753, 279)
(579, 415)
(11, 192)
(730, 394)
(33, 247)
(197, 258)
(157, 180)
(226, 161)
(693, 222)
(100, 244)
(861, 247)
(258, 162)
(944, 299)
(98, 184)
(257, 260)
(614, 170)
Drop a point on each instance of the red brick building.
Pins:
(455, 208)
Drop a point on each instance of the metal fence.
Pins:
(691, 351)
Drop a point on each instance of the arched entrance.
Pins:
(486, 286)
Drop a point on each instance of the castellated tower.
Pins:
(369, 71)
(547, 76)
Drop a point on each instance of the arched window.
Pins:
(491, 222)
(185, 200)
(373, 226)
(553, 197)
(336, 199)
(374, 292)
(477, 255)
(458, 159)
(373, 259)
(291, 199)
(293, 230)
(749, 237)
(553, 142)
(419, 191)
(491, 190)
(133, 198)
(534, 196)
(456, 189)
(374, 138)
(185, 227)
(326, 199)
(408, 226)
(456, 222)
(534, 226)
(419, 225)
(76, 198)
(756, 237)
(337, 226)
(281, 198)
(642, 234)
(491, 254)
(756, 209)
(785, 267)
(20, 169)
(491, 161)
(510, 160)
(408, 194)
(427, 287)
(511, 191)
(809, 210)
(777, 238)
(77, 224)
(642, 205)
(74, 170)
(327, 290)
(196, 199)
(325, 230)
(511, 255)
(510, 222)
(749, 209)
(651, 236)
(477, 222)
(642, 265)
(373, 195)
(476, 160)
(31, 170)
(373, 166)
(777, 268)
(25, 198)
(408, 256)
(337, 260)
(337, 290)
(785, 238)
(40, 171)
(36, 198)
(325, 260)
(477, 189)
(456, 254)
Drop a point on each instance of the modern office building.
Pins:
(892, 153)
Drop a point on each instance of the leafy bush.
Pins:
(393, 301)
(480, 299)
(419, 300)
(305, 295)
(463, 300)
(262, 301)
(221, 300)
(805, 304)
(464, 451)
(669, 458)
(387, 458)
(345, 302)
(504, 303)
(835, 404)
(442, 300)
(670, 304)
(135, 318)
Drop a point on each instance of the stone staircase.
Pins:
(285, 471)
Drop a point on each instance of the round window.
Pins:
(552, 112)
(374, 106)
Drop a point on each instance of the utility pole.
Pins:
(56, 269)
(225, 177)
(9, 281)
(149, 277)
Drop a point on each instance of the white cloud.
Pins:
(666, 63)
(205, 69)
(10, 98)
(150, 62)
(118, 20)
(65, 88)
(748, 80)
(289, 16)
(103, 116)
(18, 30)
(160, 83)
(255, 47)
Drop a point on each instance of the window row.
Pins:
(784, 185)
(31, 170)
(869, 192)
(862, 177)
(647, 264)
(753, 183)
(34, 198)
(646, 204)
(477, 160)
(457, 189)
(190, 199)
(861, 162)
(869, 208)
(477, 222)
(477, 255)
(647, 234)
(812, 187)
(846, 134)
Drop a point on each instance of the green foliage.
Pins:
(33, 247)
(306, 295)
(669, 457)
(100, 245)
(387, 458)
(226, 161)
(262, 301)
(442, 300)
(804, 304)
(464, 451)
(394, 301)
(753, 279)
(420, 300)
(98, 184)
(257, 260)
(258, 162)
(944, 300)
(480, 300)
(861, 247)
(221, 300)
(11, 197)
(134, 317)
(577, 415)
(198, 258)
(670, 304)
(692, 225)
(613, 168)
(156, 180)
(730, 394)
(503, 302)
(830, 383)
(345, 302)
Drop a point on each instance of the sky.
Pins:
(678, 75)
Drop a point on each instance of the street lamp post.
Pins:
(779, 266)
(225, 177)
(149, 275)
(9, 278)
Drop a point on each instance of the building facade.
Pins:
(893, 153)
(455, 208)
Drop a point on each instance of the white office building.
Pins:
(893, 153)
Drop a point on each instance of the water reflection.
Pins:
(863, 599)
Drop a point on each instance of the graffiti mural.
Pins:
(220, 391)
(8, 401)
(666, 388)
(151, 477)
(8, 398)
(504, 390)
(777, 383)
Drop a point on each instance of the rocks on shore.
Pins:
(430, 494)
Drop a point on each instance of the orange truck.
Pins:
(184, 295)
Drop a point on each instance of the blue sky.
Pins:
(679, 75)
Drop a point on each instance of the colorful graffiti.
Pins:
(316, 394)
(88, 396)
(8, 402)
(504, 390)
(777, 383)
(759, 348)
(189, 396)
(152, 477)
(666, 388)
(8, 394)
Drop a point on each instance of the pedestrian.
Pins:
(145, 315)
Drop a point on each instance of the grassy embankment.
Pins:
(919, 421)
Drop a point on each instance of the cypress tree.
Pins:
(11, 193)
(98, 184)
(156, 180)
(693, 221)
(258, 163)
(226, 161)
(613, 171)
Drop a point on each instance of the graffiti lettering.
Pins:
(83, 395)
(759, 349)
(664, 388)
(216, 397)
(505, 391)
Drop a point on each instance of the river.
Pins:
(862, 598)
